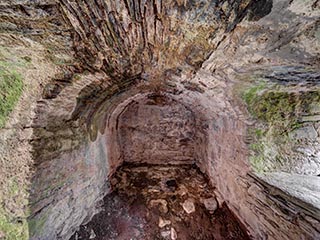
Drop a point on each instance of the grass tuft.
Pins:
(12, 229)
(11, 86)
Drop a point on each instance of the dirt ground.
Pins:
(161, 202)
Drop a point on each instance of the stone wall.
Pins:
(270, 212)
(66, 190)
(120, 46)
(70, 170)
(271, 206)
(157, 130)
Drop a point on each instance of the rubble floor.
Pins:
(161, 202)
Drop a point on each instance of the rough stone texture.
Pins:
(304, 188)
(210, 204)
(288, 138)
(15, 150)
(265, 207)
(142, 196)
(284, 138)
(107, 54)
(157, 131)
(67, 196)
(253, 47)
(188, 206)
(125, 38)
(307, 132)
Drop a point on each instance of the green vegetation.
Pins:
(277, 108)
(36, 225)
(14, 227)
(257, 160)
(11, 86)
(251, 94)
(13, 223)
(259, 133)
(279, 111)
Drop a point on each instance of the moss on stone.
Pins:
(278, 110)
(36, 225)
(13, 197)
(274, 107)
(259, 133)
(257, 159)
(251, 94)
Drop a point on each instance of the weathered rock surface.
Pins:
(157, 130)
(86, 108)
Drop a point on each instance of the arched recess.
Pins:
(61, 204)
(155, 129)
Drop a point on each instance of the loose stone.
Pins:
(174, 235)
(210, 204)
(188, 206)
(163, 222)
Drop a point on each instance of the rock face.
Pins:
(232, 86)
(126, 38)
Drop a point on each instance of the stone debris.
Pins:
(183, 190)
(188, 206)
(92, 234)
(210, 204)
(306, 132)
(163, 222)
(161, 203)
(314, 118)
(165, 234)
(134, 212)
(173, 234)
